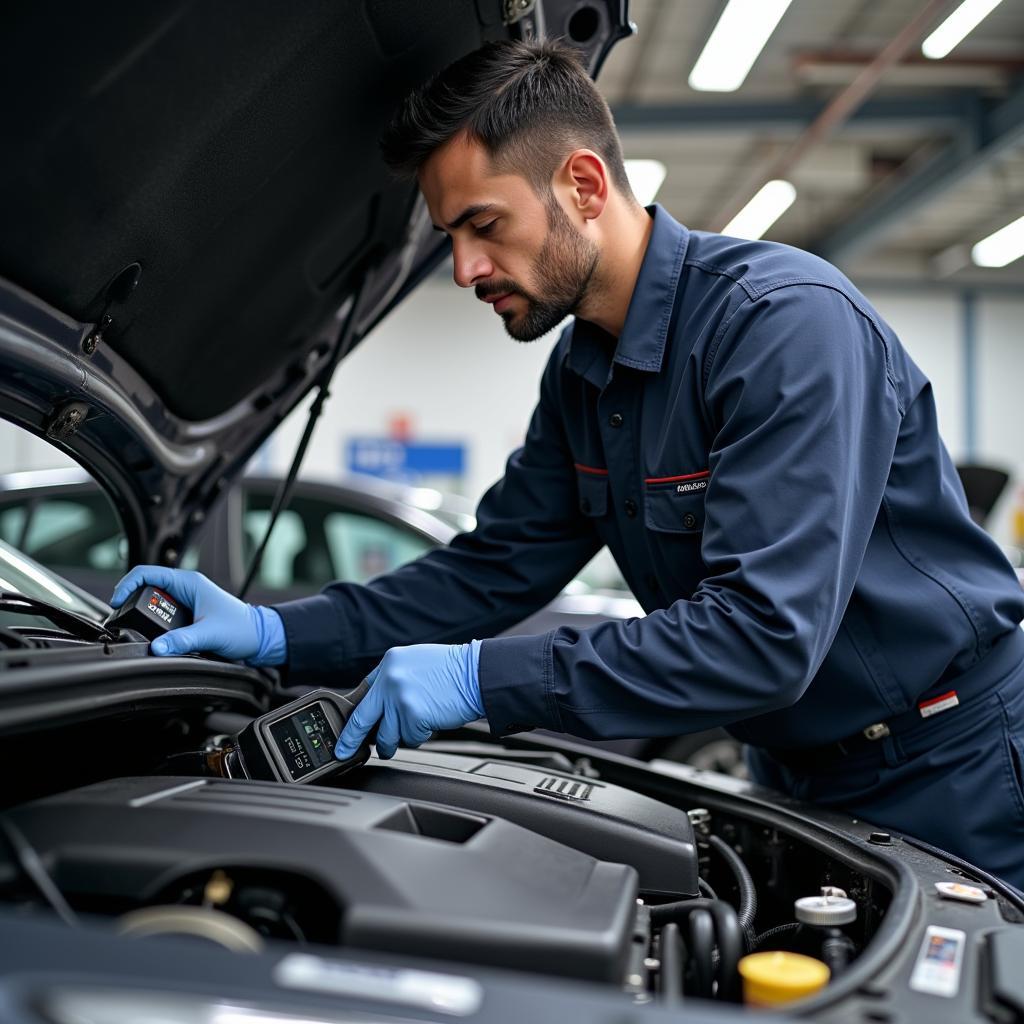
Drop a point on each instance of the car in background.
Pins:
(351, 530)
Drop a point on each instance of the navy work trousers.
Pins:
(955, 780)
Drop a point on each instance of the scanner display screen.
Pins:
(305, 740)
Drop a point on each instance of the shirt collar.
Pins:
(641, 345)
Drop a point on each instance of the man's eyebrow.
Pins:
(469, 211)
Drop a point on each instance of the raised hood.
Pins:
(192, 202)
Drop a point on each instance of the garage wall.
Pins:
(443, 360)
(933, 327)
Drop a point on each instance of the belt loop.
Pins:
(892, 751)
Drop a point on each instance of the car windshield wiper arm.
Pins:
(78, 625)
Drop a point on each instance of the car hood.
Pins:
(194, 205)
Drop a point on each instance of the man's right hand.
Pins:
(221, 623)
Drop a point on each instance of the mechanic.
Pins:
(749, 438)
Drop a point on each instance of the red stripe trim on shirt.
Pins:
(676, 479)
(590, 469)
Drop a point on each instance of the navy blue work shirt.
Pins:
(762, 458)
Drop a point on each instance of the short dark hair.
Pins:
(529, 104)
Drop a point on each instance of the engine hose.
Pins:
(670, 952)
(706, 890)
(726, 930)
(702, 942)
(837, 951)
(745, 884)
(773, 933)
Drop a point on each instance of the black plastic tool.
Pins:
(151, 612)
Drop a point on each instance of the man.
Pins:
(753, 444)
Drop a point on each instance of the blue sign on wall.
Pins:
(404, 461)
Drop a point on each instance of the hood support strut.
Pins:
(284, 492)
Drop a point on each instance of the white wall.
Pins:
(999, 400)
(931, 325)
(444, 359)
(930, 328)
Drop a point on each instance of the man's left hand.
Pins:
(413, 692)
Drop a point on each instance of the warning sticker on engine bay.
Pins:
(939, 962)
(425, 990)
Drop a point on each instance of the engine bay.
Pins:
(125, 821)
(496, 854)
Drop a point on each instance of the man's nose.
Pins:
(470, 265)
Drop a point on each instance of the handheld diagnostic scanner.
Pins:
(296, 743)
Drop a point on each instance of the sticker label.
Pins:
(937, 971)
(959, 891)
(426, 990)
(943, 702)
(162, 606)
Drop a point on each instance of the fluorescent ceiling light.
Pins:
(1002, 247)
(734, 44)
(645, 178)
(959, 24)
(762, 211)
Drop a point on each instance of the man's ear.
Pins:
(585, 175)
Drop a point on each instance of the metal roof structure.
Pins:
(925, 161)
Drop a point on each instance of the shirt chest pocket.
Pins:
(674, 508)
(593, 492)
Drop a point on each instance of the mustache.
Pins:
(483, 291)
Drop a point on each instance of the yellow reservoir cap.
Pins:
(770, 979)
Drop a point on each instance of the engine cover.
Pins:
(599, 818)
(404, 875)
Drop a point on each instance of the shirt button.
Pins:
(615, 420)
(689, 520)
(631, 508)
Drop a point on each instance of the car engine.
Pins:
(461, 851)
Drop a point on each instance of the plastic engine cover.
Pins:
(406, 876)
(601, 819)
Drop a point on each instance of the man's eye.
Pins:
(485, 229)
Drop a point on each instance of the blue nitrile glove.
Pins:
(413, 692)
(221, 623)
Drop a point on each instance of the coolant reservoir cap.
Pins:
(828, 910)
(770, 979)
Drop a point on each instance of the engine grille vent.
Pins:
(564, 789)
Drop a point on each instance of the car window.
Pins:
(287, 542)
(25, 576)
(78, 531)
(362, 546)
(12, 524)
(315, 542)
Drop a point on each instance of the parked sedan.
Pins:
(351, 530)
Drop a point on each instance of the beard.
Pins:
(565, 267)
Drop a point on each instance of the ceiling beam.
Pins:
(934, 112)
(982, 139)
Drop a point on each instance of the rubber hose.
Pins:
(772, 933)
(702, 942)
(670, 952)
(837, 950)
(745, 883)
(706, 890)
(727, 930)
